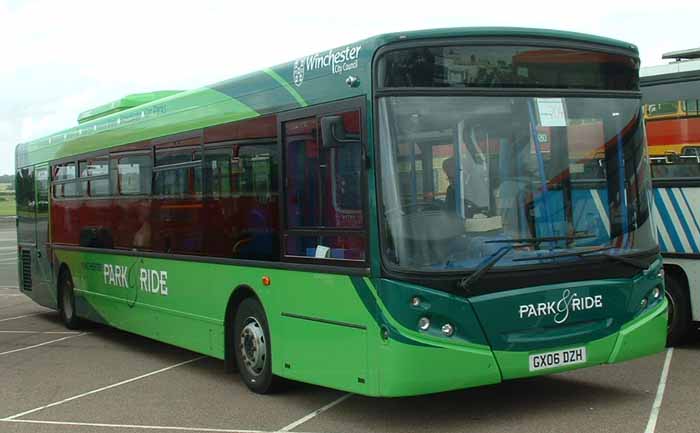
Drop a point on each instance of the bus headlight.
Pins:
(644, 302)
(656, 293)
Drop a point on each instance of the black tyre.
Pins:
(252, 348)
(66, 301)
(678, 310)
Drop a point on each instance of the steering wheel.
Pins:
(471, 209)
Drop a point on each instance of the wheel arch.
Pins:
(679, 274)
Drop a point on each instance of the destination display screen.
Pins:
(503, 66)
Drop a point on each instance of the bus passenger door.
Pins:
(42, 276)
(32, 234)
(324, 322)
(26, 231)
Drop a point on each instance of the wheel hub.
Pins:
(253, 347)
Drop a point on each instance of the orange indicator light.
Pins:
(266, 280)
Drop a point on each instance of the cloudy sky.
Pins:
(59, 58)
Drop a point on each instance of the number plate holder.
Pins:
(559, 358)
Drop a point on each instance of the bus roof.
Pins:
(310, 80)
(647, 72)
(693, 53)
(671, 82)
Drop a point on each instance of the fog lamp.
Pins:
(423, 323)
(448, 330)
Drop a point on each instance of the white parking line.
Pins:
(132, 426)
(41, 344)
(104, 388)
(20, 317)
(11, 294)
(656, 407)
(40, 332)
(314, 414)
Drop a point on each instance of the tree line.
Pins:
(7, 178)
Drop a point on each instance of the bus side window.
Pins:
(177, 217)
(94, 177)
(65, 184)
(241, 209)
(254, 185)
(133, 174)
(217, 172)
(132, 205)
(178, 172)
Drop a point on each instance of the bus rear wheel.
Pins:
(66, 301)
(678, 310)
(252, 348)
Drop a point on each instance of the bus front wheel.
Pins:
(252, 347)
(678, 309)
(66, 301)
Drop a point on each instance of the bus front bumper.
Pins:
(411, 370)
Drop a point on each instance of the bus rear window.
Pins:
(501, 66)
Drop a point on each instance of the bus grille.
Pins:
(26, 270)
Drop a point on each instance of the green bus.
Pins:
(412, 213)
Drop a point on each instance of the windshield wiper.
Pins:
(621, 259)
(539, 240)
(484, 267)
(626, 260)
(564, 254)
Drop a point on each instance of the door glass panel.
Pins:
(26, 205)
(324, 187)
(346, 247)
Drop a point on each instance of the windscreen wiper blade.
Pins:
(564, 254)
(539, 240)
(484, 267)
(621, 259)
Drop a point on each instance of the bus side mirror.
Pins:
(333, 132)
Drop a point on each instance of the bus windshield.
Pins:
(464, 176)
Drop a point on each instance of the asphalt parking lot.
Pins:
(105, 380)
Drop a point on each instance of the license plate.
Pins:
(559, 358)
